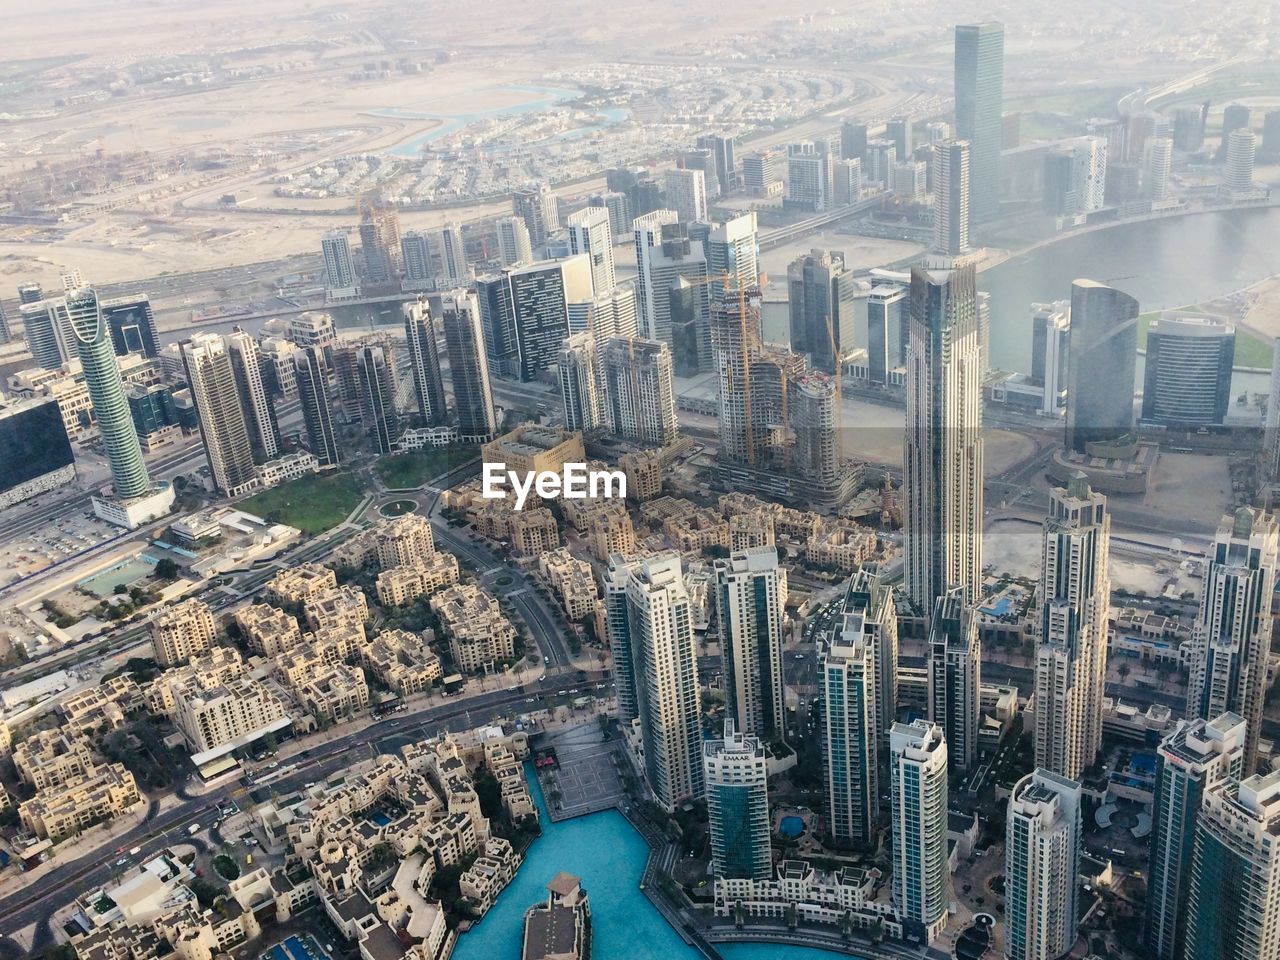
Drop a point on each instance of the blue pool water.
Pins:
(791, 827)
(999, 608)
(607, 853)
(297, 948)
(380, 818)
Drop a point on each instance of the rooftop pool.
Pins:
(607, 853)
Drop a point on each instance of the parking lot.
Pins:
(51, 543)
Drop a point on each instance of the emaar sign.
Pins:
(574, 482)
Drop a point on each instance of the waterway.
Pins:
(605, 851)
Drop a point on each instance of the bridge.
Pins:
(780, 235)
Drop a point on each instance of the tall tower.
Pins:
(1187, 374)
(222, 420)
(664, 666)
(1042, 855)
(687, 194)
(468, 367)
(648, 239)
(814, 416)
(848, 667)
(317, 407)
(590, 234)
(581, 384)
(1231, 636)
(1197, 755)
(942, 462)
(951, 197)
(106, 393)
(639, 391)
(47, 330)
(751, 595)
(1100, 374)
(918, 793)
(514, 246)
(955, 677)
(376, 376)
(1071, 661)
(339, 268)
(132, 323)
(1157, 161)
(736, 777)
(415, 251)
(259, 411)
(539, 208)
(424, 360)
(453, 255)
(979, 88)
(731, 249)
(869, 607)
(1233, 910)
(821, 295)
(1242, 148)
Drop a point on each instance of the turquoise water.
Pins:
(791, 827)
(607, 853)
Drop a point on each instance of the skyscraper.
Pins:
(1187, 373)
(377, 378)
(255, 400)
(853, 140)
(47, 329)
(619, 207)
(979, 89)
(639, 391)
(735, 773)
(1051, 351)
(951, 193)
(808, 180)
(918, 795)
(1271, 439)
(132, 324)
(869, 606)
(1233, 910)
(317, 408)
(955, 677)
(687, 194)
(821, 295)
(664, 671)
(468, 367)
(590, 234)
(1242, 148)
(424, 361)
(1188, 127)
(751, 596)
(648, 237)
(380, 241)
(1235, 116)
(453, 255)
(1231, 636)
(887, 327)
(942, 476)
(540, 210)
(581, 384)
(898, 129)
(1071, 660)
(525, 312)
(416, 254)
(1100, 374)
(222, 419)
(731, 249)
(723, 149)
(6, 335)
(106, 393)
(813, 413)
(1157, 162)
(514, 245)
(1193, 758)
(1042, 855)
(339, 268)
(676, 277)
(848, 670)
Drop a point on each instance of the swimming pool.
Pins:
(999, 608)
(297, 947)
(791, 826)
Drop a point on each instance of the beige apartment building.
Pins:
(300, 584)
(105, 792)
(573, 581)
(397, 586)
(403, 541)
(403, 661)
(211, 717)
(50, 759)
(181, 632)
(268, 630)
(479, 634)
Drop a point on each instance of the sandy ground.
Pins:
(1190, 487)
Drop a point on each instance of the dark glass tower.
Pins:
(1100, 374)
(979, 83)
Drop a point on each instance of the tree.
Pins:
(490, 794)
(166, 569)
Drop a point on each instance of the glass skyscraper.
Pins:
(979, 83)
(736, 778)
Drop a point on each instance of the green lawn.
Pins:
(313, 503)
(1251, 351)
(405, 471)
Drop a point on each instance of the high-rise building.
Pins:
(735, 773)
(648, 238)
(1193, 758)
(657, 634)
(1157, 162)
(808, 178)
(424, 360)
(539, 208)
(887, 328)
(955, 677)
(1188, 127)
(723, 150)
(1075, 177)
(760, 173)
(1071, 660)
(703, 160)
(821, 294)
(951, 193)
(686, 194)
(880, 160)
(1100, 373)
(590, 234)
(1271, 439)
(869, 606)
(377, 378)
(846, 182)
(255, 401)
(1187, 374)
(339, 268)
(813, 414)
(416, 254)
(676, 278)
(619, 206)
(1242, 148)
(1042, 856)
(514, 244)
(453, 255)
(639, 391)
(581, 384)
(468, 367)
(132, 323)
(849, 669)
(1271, 133)
(751, 596)
(380, 241)
(6, 335)
(1235, 116)
(853, 140)
(312, 379)
(898, 129)
(37, 452)
(47, 329)
(1050, 351)
(223, 430)
(1233, 909)
(918, 797)
(731, 249)
(979, 89)
(106, 393)
(942, 479)
(1231, 636)
(613, 314)
(30, 293)
(525, 312)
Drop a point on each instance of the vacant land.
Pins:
(312, 504)
(407, 471)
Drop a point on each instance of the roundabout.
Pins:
(397, 508)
